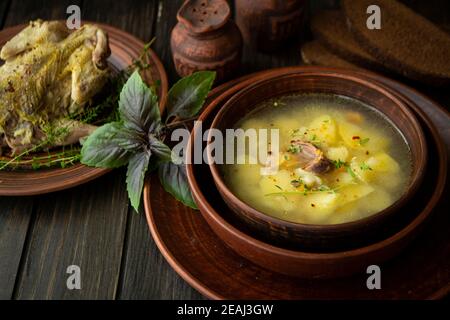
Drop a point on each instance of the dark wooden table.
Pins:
(93, 226)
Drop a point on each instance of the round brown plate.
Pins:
(124, 48)
(381, 246)
(422, 270)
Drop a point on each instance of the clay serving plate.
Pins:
(381, 247)
(124, 49)
(321, 237)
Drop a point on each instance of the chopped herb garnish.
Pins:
(364, 141)
(295, 132)
(350, 171)
(306, 192)
(339, 163)
(364, 166)
(293, 148)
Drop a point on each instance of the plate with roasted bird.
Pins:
(56, 87)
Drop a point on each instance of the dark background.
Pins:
(93, 226)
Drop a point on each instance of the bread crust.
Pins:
(395, 51)
(315, 54)
(329, 27)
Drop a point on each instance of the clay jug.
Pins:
(269, 24)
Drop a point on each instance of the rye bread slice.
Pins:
(406, 42)
(315, 54)
(330, 28)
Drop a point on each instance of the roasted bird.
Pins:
(49, 75)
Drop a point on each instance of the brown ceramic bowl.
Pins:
(324, 264)
(321, 237)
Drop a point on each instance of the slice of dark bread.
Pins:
(330, 28)
(315, 54)
(406, 42)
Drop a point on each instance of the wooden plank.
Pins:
(136, 18)
(24, 11)
(15, 216)
(149, 276)
(16, 213)
(3, 11)
(166, 20)
(437, 11)
(84, 226)
(145, 273)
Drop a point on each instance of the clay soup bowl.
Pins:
(309, 236)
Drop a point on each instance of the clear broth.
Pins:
(371, 161)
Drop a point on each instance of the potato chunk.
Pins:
(319, 207)
(337, 154)
(286, 126)
(384, 163)
(352, 193)
(349, 133)
(357, 138)
(376, 202)
(279, 182)
(324, 129)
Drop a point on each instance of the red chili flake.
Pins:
(313, 205)
(356, 137)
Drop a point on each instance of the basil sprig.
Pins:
(137, 140)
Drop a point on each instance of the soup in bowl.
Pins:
(337, 159)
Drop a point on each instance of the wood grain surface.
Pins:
(92, 225)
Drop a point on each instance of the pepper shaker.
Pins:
(205, 38)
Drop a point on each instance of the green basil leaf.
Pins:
(174, 180)
(187, 96)
(159, 149)
(138, 104)
(137, 167)
(110, 146)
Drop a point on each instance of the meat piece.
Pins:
(310, 158)
(48, 75)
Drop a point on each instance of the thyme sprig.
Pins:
(306, 192)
